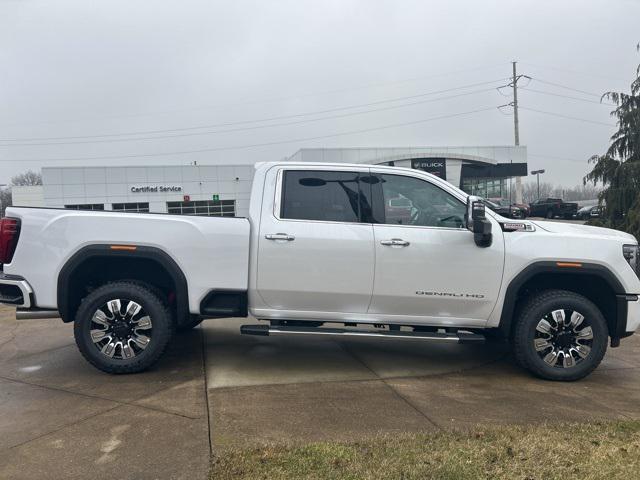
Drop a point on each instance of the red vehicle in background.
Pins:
(398, 210)
(524, 208)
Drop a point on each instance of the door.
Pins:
(315, 253)
(427, 264)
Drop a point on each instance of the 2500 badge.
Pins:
(476, 296)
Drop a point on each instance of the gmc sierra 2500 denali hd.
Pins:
(378, 251)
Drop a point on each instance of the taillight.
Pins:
(9, 233)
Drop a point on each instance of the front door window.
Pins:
(413, 201)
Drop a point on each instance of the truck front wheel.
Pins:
(560, 335)
(122, 327)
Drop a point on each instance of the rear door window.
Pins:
(330, 196)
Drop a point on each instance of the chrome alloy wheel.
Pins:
(121, 329)
(562, 340)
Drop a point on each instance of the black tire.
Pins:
(158, 333)
(525, 333)
(549, 214)
(194, 321)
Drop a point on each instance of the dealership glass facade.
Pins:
(486, 187)
(491, 180)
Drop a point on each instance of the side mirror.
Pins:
(477, 222)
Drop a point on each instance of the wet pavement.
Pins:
(61, 418)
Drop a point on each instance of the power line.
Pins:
(280, 98)
(265, 144)
(568, 96)
(559, 85)
(245, 122)
(554, 157)
(576, 72)
(560, 115)
(256, 127)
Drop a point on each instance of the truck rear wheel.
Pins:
(122, 327)
(560, 335)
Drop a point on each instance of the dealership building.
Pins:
(224, 190)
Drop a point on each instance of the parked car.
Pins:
(552, 208)
(318, 248)
(524, 208)
(591, 211)
(509, 211)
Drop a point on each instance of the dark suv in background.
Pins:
(552, 208)
(590, 211)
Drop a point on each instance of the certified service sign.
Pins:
(156, 189)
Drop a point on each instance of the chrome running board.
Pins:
(266, 330)
(36, 314)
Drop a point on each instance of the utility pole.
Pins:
(516, 128)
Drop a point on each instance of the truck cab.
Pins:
(329, 244)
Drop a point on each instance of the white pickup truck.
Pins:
(376, 251)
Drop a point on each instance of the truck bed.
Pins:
(213, 252)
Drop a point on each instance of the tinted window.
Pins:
(89, 206)
(130, 207)
(204, 208)
(317, 195)
(412, 201)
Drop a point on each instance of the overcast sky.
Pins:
(93, 70)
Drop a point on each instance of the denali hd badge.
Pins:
(517, 227)
(477, 296)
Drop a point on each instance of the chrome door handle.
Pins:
(280, 236)
(395, 242)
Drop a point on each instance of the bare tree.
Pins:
(5, 200)
(530, 191)
(28, 178)
(581, 192)
(548, 190)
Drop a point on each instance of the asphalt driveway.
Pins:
(60, 418)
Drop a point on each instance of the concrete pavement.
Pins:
(266, 389)
(61, 418)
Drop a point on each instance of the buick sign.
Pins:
(435, 166)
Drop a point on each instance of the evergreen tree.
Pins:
(619, 168)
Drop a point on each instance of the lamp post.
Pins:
(537, 174)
